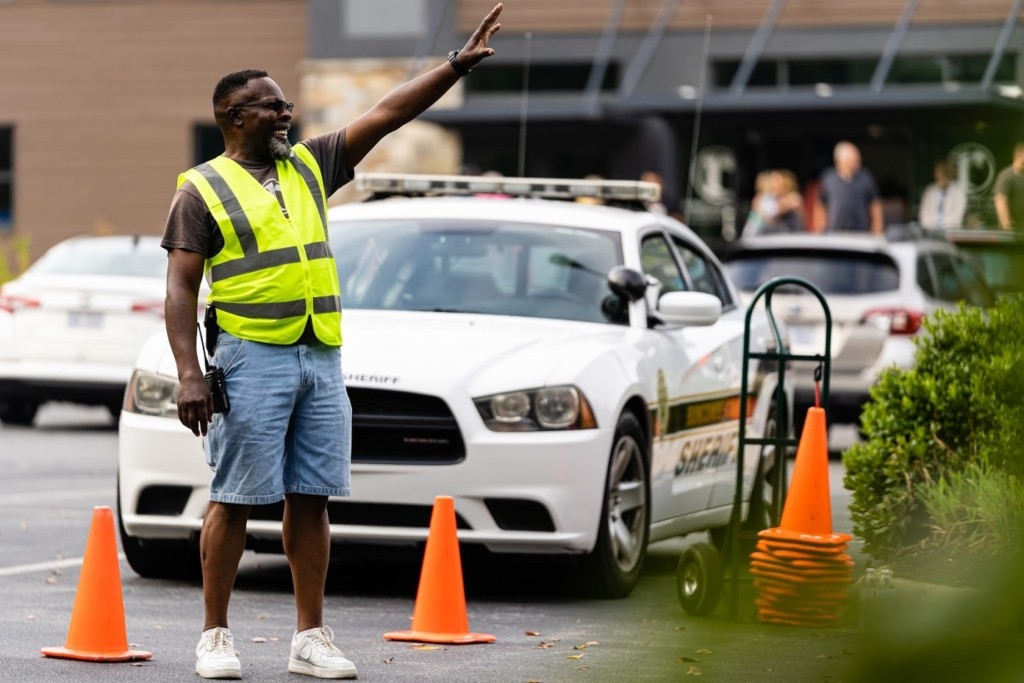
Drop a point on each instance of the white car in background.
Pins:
(72, 325)
(878, 292)
(569, 373)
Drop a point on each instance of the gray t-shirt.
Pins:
(848, 203)
(190, 225)
(1011, 184)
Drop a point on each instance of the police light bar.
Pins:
(548, 188)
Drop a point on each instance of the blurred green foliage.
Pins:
(958, 410)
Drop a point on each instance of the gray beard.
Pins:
(279, 149)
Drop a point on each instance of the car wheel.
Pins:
(699, 579)
(159, 558)
(615, 563)
(21, 413)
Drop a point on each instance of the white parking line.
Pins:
(46, 566)
(45, 496)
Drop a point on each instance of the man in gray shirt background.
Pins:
(848, 200)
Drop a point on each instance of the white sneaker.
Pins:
(314, 654)
(216, 656)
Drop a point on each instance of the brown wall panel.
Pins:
(103, 97)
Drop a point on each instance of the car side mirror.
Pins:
(689, 309)
(626, 283)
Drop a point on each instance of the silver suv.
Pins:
(878, 292)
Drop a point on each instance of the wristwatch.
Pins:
(459, 69)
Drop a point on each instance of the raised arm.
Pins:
(411, 99)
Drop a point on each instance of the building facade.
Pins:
(104, 102)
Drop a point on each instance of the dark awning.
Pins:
(503, 109)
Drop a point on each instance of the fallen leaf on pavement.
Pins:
(545, 645)
(427, 647)
(579, 656)
(259, 639)
(693, 671)
(703, 651)
(389, 660)
(532, 633)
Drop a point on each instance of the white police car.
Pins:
(570, 373)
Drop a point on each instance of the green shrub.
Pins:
(960, 403)
(977, 512)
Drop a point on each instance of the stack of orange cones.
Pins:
(97, 630)
(439, 615)
(801, 572)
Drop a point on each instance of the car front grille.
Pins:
(364, 514)
(397, 427)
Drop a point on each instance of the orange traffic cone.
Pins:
(807, 513)
(439, 615)
(97, 630)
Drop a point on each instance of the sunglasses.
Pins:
(277, 106)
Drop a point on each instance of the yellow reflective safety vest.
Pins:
(273, 272)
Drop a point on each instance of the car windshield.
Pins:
(832, 271)
(486, 266)
(105, 256)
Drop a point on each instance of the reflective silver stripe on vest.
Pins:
(315, 250)
(250, 264)
(239, 221)
(314, 187)
(326, 304)
(278, 311)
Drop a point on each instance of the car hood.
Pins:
(445, 353)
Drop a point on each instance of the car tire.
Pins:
(699, 579)
(22, 413)
(613, 567)
(159, 558)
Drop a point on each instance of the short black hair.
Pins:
(234, 81)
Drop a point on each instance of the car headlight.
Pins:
(562, 407)
(151, 394)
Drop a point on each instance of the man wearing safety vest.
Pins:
(273, 407)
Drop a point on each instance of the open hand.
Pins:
(476, 48)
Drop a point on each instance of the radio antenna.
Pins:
(697, 114)
(524, 103)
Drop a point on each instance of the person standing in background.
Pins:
(1009, 192)
(944, 201)
(848, 200)
(778, 206)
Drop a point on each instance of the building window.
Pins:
(383, 18)
(831, 71)
(764, 74)
(6, 178)
(968, 68)
(560, 77)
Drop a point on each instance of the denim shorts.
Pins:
(289, 429)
